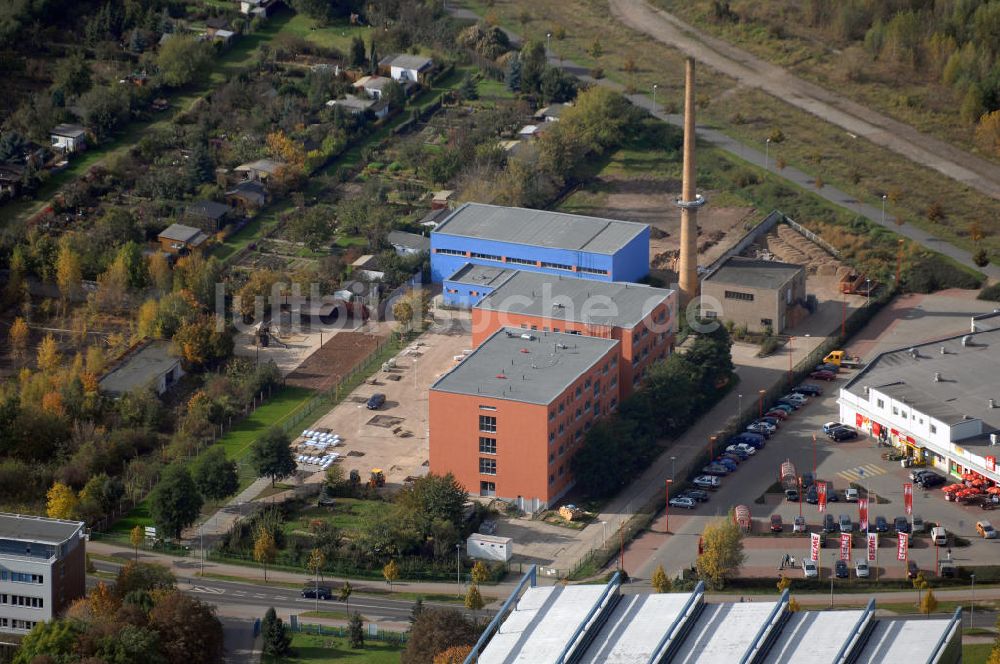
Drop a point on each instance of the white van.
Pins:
(939, 536)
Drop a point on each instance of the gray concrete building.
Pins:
(42, 569)
(756, 293)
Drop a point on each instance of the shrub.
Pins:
(991, 293)
(933, 272)
(981, 258)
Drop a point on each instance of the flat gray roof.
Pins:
(902, 641)
(579, 300)
(140, 369)
(418, 62)
(754, 273)
(541, 625)
(69, 130)
(180, 233)
(27, 528)
(969, 378)
(535, 370)
(634, 629)
(540, 228)
(410, 240)
(813, 636)
(481, 275)
(266, 165)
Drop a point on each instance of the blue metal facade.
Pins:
(465, 296)
(450, 252)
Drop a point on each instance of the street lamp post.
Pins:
(604, 525)
(673, 472)
(790, 340)
(760, 403)
(833, 566)
(654, 94)
(972, 606)
(884, 196)
(868, 292)
(666, 510)
(458, 567)
(767, 151)
(548, 42)
(711, 447)
(739, 408)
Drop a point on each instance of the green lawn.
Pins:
(490, 89)
(275, 410)
(348, 514)
(336, 36)
(976, 653)
(316, 649)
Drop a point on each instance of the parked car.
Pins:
(799, 525)
(706, 482)
(773, 421)
(787, 407)
(843, 433)
(796, 396)
(311, 592)
(762, 428)
(776, 525)
(822, 374)
(832, 368)
(901, 524)
(809, 389)
(730, 464)
(808, 479)
(778, 414)
(841, 570)
(986, 530)
(912, 570)
(946, 569)
(812, 495)
(929, 480)
(791, 495)
(829, 524)
(809, 570)
(861, 569)
(375, 401)
(846, 525)
(683, 501)
(738, 451)
(917, 472)
(753, 439)
(697, 495)
(881, 525)
(831, 493)
(787, 403)
(851, 495)
(918, 524)
(715, 469)
(830, 426)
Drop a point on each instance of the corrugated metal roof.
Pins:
(540, 228)
(481, 275)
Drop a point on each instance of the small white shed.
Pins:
(489, 547)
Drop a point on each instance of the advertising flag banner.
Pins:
(991, 464)
(845, 546)
(908, 498)
(872, 546)
(814, 547)
(863, 514)
(904, 546)
(821, 495)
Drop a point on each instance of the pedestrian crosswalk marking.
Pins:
(859, 473)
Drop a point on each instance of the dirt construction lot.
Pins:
(340, 353)
(393, 438)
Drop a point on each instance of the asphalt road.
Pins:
(235, 597)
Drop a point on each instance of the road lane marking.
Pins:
(859, 473)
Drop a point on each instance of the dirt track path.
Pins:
(750, 70)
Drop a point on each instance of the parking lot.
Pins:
(394, 437)
(859, 461)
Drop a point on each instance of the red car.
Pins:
(776, 525)
(822, 375)
(780, 414)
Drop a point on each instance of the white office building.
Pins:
(42, 569)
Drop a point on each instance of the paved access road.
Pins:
(750, 70)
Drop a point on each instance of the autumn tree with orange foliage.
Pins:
(453, 655)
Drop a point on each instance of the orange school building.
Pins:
(643, 319)
(507, 419)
